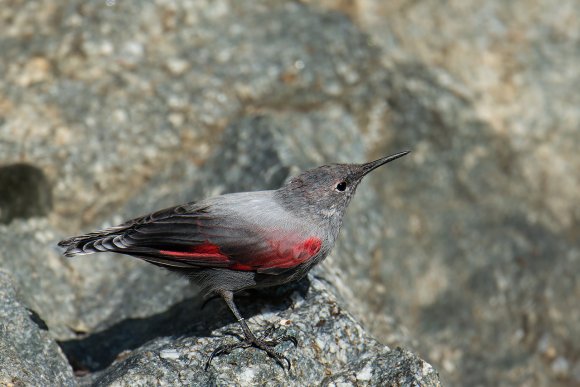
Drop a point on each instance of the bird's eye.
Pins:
(341, 186)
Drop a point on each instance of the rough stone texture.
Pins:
(155, 81)
(118, 106)
(101, 111)
(491, 265)
(408, 372)
(45, 281)
(518, 63)
(29, 355)
(338, 350)
(465, 251)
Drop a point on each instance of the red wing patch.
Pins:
(282, 254)
(203, 253)
(311, 246)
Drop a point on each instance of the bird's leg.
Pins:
(250, 339)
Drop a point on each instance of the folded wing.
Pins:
(198, 236)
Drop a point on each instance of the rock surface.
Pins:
(332, 347)
(464, 252)
(119, 115)
(29, 354)
(492, 214)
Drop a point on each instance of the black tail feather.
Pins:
(94, 242)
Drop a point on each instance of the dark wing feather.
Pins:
(195, 239)
(183, 236)
(203, 235)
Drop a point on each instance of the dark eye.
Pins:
(341, 186)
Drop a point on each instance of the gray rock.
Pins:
(45, 280)
(393, 368)
(119, 106)
(333, 347)
(487, 93)
(464, 252)
(100, 123)
(518, 64)
(28, 354)
(102, 81)
(247, 145)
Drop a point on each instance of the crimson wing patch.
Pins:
(280, 254)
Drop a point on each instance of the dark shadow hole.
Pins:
(36, 319)
(25, 192)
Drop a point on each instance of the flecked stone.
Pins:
(28, 354)
(463, 252)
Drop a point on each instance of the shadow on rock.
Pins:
(191, 317)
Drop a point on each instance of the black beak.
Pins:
(370, 166)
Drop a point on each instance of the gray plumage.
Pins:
(242, 240)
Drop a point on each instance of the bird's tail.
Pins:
(94, 242)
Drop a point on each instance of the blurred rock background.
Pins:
(466, 252)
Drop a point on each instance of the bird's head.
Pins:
(326, 191)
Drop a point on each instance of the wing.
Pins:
(238, 232)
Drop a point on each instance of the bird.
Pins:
(238, 241)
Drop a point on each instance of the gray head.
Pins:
(326, 191)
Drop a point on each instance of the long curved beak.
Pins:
(370, 166)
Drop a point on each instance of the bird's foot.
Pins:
(262, 343)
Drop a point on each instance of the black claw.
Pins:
(279, 359)
(292, 339)
(289, 363)
(209, 359)
(266, 346)
(223, 350)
